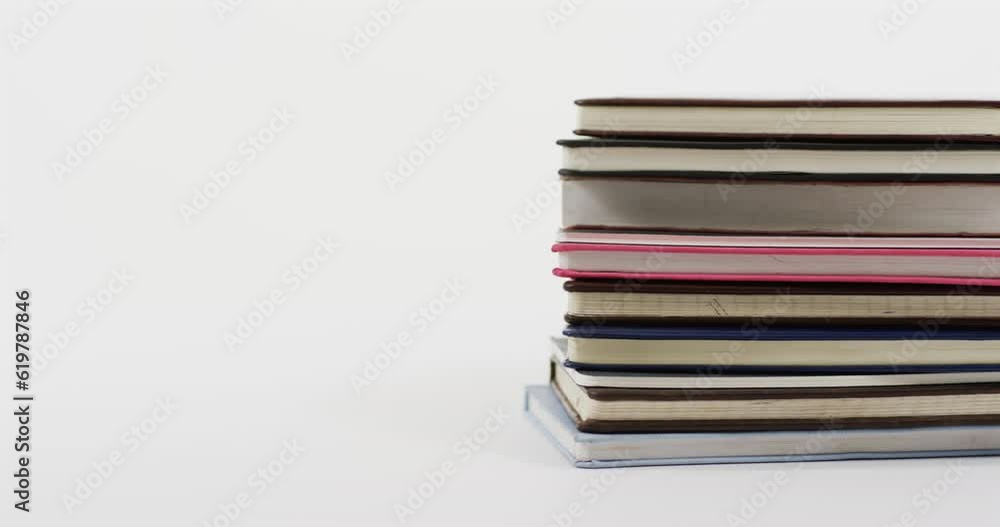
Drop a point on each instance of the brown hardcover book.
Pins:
(848, 304)
(828, 120)
(620, 410)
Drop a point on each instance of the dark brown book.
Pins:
(657, 302)
(620, 410)
(791, 119)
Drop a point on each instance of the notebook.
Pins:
(763, 347)
(627, 237)
(688, 302)
(588, 450)
(752, 205)
(721, 378)
(972, 268)
(942, 161)
(828, 120)
(615, 410)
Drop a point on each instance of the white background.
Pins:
(161, 338)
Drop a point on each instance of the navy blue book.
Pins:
(760, 348)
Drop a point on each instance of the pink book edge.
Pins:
(884, 279)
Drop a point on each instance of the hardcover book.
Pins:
(680, 302)
(972, 268)
(830, 443)
(760, 347)
(816, 119)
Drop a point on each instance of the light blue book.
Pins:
(588, 450)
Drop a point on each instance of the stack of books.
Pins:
(777, 280)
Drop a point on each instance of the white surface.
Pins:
(452, 219)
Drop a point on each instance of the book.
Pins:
(970, 267)
(627, 237)
(942, 161)
(829, 120)
(763, 347)
(617, 410)
(680, 302)
(686, 204)
(781, 280)
(714, 378)
(591, 450)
